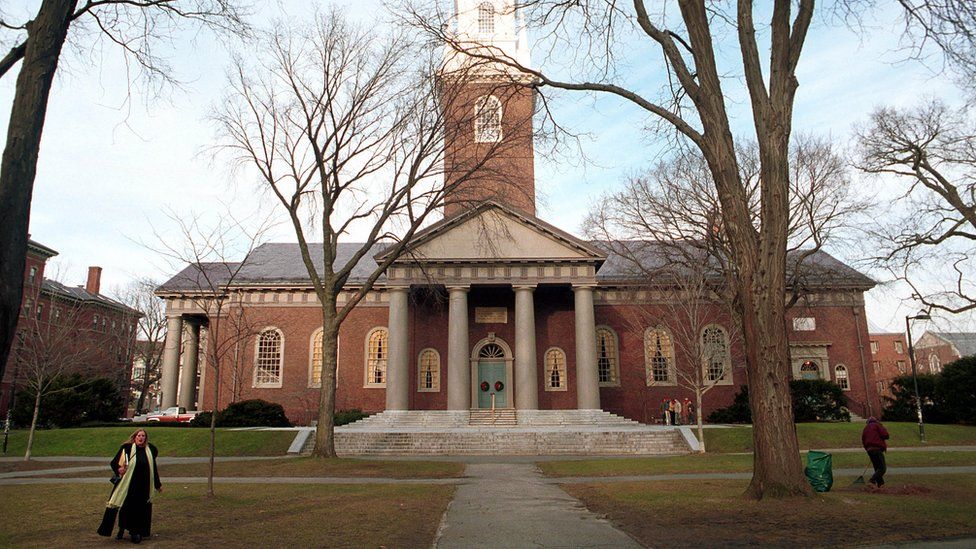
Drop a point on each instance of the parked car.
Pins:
(173, 414)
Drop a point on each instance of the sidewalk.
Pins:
(513, 505)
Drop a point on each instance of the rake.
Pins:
(860, 480)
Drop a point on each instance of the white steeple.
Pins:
(493, 26)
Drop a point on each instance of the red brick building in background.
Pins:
(504, 309)
(936, 349)
(889, 359)
(99, 324)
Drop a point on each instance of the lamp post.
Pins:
(911, 356)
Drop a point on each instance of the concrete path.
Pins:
(513, 505)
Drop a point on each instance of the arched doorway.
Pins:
(809, 370)
(491, 373)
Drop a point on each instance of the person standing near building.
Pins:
(689, 413)
(874, 439)
(665, 412)
(136, 476)
(678, 418)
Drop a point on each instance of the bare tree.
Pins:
(350, 131)
(133, 26)
(933, 148)
(949, 26)
(51, 345)
(207, 277)
(151, 333)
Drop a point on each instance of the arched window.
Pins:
(606, 357)
(555, 362)
(377, 352)
(491, 350)
(809, 370)
(840, 376)
(658, 357)
(429, 370)
(935, 365)
(268, 356)
(715, 351)
(486, 18)
(315, 359)
(488, 119)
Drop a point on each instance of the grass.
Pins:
(813, 436)
(734, 463)
(714, 513)
(241, 515)
(301, 467)
(171, 441)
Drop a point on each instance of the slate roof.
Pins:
(78, 293)
(280, 264)
(964, 342)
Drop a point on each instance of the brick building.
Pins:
(936, 349)
(505, 310)
(61, 319)
(889, 359)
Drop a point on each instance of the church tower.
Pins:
(489, 108)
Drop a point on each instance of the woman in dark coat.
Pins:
(131, 500)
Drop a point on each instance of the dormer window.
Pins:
(486, 18)
(488, 119)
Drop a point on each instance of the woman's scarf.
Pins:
(122, 488)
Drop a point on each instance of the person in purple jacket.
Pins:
(873, 438)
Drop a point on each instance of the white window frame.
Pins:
(846, 386)
(563, 372)
(483, 106)
(726, 378)
(935, 363)
(875, 347)
(315, 339)
(367, 379)
(436, 371)
(615, 359)
(281, 359)
(899, 347)
(804, 324)
(667, 352)
(486, 19)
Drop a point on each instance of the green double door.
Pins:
(492, 373)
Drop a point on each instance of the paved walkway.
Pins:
(513, 505)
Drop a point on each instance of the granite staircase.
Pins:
(509, 432)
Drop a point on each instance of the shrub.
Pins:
(813, 400)
(344, 417)
(901, 405)
(818, 400)
(957, 389)
(69, 402)
(246, 413)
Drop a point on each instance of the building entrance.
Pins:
(492, 377)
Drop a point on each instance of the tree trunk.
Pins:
(45, 37)
(33, 427)
(698, 420)
(215, 365)
(325, 430)
(777, 468)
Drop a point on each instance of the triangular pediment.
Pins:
(494, 232)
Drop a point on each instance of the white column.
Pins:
(526, 364)
(458, 362)
(171, 361)
(587, 377)
(188, 375)
(398, 364)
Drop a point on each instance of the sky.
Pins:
(115, 159)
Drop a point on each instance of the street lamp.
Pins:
(923, 315)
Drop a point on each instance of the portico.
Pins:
(515, 252)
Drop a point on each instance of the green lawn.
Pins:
(713, 513)
(171, 441)
(813, 436)
(734, 463)
(241, 515)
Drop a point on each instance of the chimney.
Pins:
(94, 280)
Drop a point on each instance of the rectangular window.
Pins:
(901, 366)
(874, 347)
(94, 322)
(899, 347)
(804, 324)
(40, 310)
(28, 304)
(877, 367)
(32, 276)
